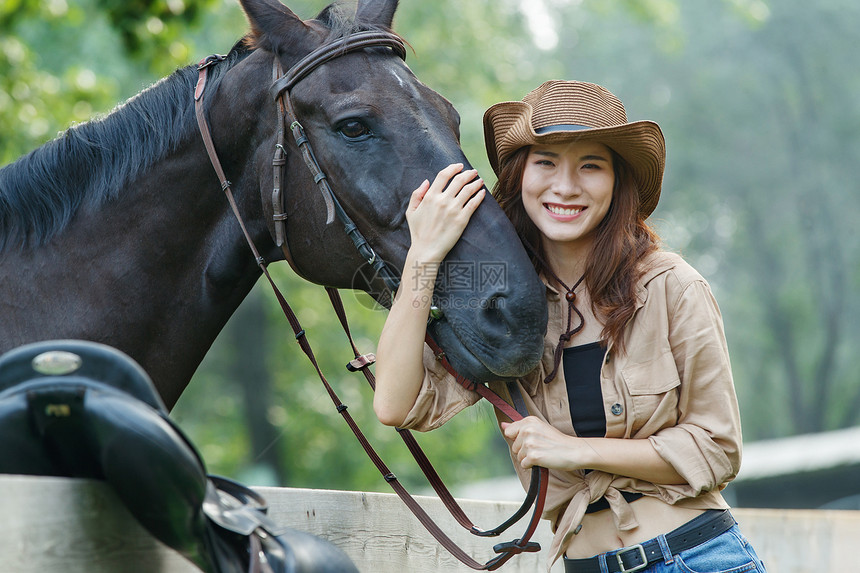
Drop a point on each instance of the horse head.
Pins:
(377, 132)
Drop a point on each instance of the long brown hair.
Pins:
(621, 241)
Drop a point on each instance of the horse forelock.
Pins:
(340, 20)
(92, 162)
(337, 20)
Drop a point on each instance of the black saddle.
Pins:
(66, 362)
(81, 409)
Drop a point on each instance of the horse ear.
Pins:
(380, 12)
(273, 25)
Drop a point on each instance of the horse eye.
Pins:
(354, 129)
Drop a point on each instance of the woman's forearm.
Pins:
(399, 355)
(628, 457)
(536, 443)
(437, 215)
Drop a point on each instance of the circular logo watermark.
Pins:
(370, 289)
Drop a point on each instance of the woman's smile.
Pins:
(563, 212)
(567, 189)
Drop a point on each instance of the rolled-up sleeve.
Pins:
(705, 444)
(440, 398)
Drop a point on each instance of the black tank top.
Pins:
(585, 399)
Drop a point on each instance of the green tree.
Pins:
(785, 176)
(52, 74)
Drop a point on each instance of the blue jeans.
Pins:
(726, 553)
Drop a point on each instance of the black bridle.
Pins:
(280, 91)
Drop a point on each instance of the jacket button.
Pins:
(617, 409)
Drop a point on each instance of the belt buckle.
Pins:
(637, 547)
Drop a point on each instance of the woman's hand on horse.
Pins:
(438, 212)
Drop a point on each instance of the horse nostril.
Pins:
(494, 302)
(494, 315)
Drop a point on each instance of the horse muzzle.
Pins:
(496, 334)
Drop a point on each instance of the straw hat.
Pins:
(560, 111)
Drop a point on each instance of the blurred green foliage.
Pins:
(63, 62)
(757, 102)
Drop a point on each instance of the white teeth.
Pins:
(562, 211)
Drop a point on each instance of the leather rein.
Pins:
(280, 91)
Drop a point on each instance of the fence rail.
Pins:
(72, 525)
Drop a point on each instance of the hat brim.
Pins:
(508, 127)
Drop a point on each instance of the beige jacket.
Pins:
(673, 386)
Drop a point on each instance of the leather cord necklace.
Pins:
(570, 297)
(570, 332)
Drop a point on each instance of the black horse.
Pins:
(117, 231)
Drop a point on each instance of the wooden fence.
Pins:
(79, 526)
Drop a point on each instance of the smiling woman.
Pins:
(632, 407)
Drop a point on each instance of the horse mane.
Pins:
(91, 162)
